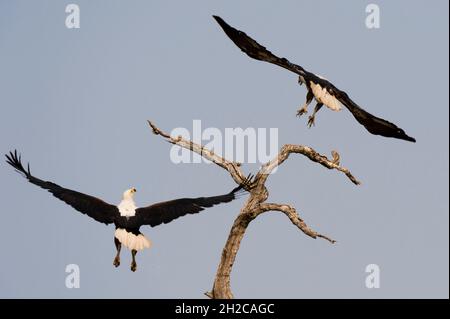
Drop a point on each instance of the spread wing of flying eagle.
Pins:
(126, 216)
(324, 92)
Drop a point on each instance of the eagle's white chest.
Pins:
(127, 208)
(321, 94)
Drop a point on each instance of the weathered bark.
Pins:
(256, 203)
(222, 288)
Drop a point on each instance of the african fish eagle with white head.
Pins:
(320, 89)
(126, 216)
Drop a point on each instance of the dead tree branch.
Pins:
(256, 202)
(291, 213)
(232, 167)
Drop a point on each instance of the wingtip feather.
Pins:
(15, 160)
(222, 22)
(217, 18)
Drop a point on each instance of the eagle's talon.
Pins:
(311, 121)
(301, 111)
(116, 262)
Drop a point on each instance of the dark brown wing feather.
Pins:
(373, 124)
(255, 50)
(165, 212)
(91, 206)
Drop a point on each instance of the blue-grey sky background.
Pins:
(75, 103)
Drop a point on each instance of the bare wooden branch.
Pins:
(290, 212)
(256, 202)
(314, 156)
(232, 167)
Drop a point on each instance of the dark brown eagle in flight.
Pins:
(324, 92)
(126, 216)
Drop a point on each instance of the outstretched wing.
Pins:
(91, 206)
(165, 212)
(255, 50)
(373, 124)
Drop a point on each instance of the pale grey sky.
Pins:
(75, 103)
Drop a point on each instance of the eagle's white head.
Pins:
(129, 193)
(127, 206)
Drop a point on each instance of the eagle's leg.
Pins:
(116, 261)
(313, 116)
(304, 108)
(133, 262)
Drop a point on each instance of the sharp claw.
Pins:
(311, 121)
(116, 262)
(301, 112)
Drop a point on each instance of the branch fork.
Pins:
(256, 203)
